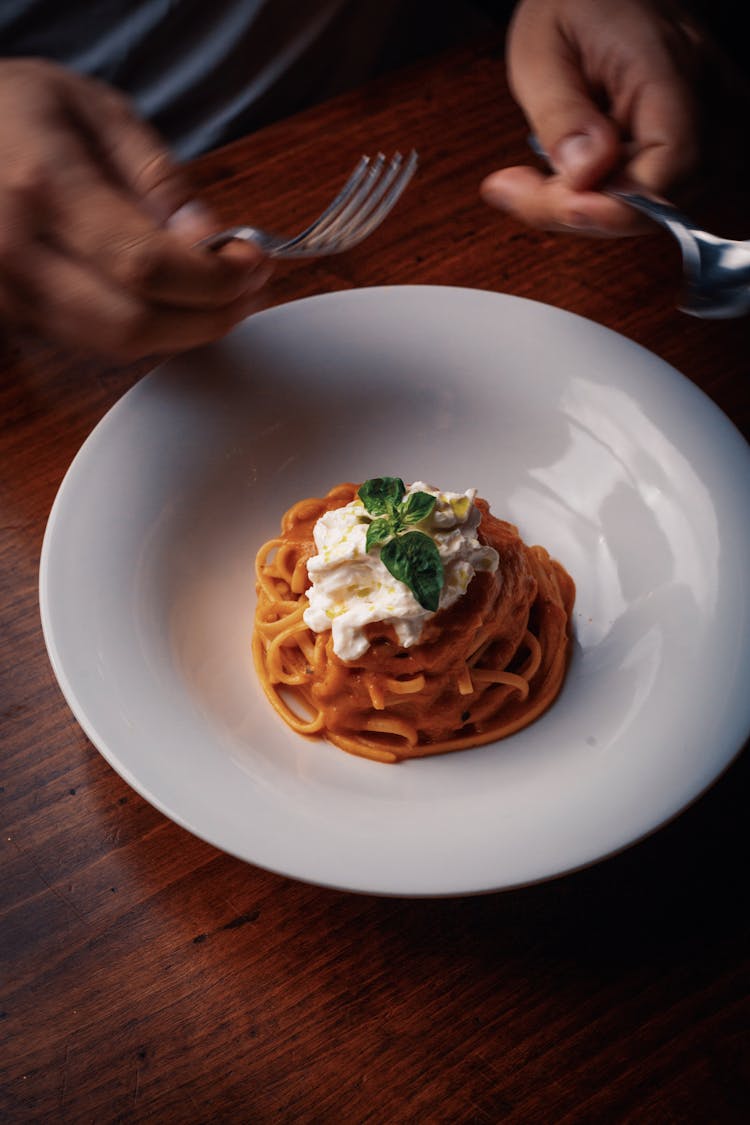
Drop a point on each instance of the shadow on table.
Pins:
(673, 896)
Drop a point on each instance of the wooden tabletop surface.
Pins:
(147, 976)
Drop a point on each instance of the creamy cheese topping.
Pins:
(352, 588)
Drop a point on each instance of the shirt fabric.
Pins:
(206, 71)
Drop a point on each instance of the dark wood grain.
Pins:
(147, 977)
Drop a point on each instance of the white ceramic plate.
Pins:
(594, 447)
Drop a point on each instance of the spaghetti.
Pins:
(482, 669)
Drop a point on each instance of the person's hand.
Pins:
(607, 88)
(97, 230)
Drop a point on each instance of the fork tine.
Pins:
(380, 190)
(351, 185)
(359, 208)
(333, 236)
(327, 229)
(365, 224)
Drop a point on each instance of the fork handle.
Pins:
(657, 209)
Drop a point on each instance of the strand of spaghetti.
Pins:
(291, 675)
(319, 656)
(271, 629)
(290, 615)
(285, 671)
(535, 651)
(263, 574)
(310, 726)
(362, 749)
(478, 653)
(464, 682)
(295, 571)
(301, 512)
(270, 545)
(292, 621)
(392, 726)
(376, 693)
(496, 676)
(465, 742)
(275, 652)
(406, 687)
(307, 644)
(285, 563)
(520, 680)
(299, 576)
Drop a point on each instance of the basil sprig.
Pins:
(409, 554)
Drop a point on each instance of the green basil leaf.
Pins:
(417, 507)
(378, 532)
(381, 495)
(413, 558)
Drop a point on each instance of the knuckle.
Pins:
(158, 174)
(30, 178)
(162, 184)
(157, 168)
(139, 266)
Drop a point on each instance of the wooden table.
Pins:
(148, 977)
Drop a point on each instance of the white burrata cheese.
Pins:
(352, 588)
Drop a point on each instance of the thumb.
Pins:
(583, 148)
(581, 144)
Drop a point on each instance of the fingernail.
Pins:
(573, 154)
(191, 218)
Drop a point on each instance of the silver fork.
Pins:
(364, 201)
(716, 271)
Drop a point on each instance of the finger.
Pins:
(194, 222)
(65, 302)
(133, 150)
(144, 165)
(664, 127)
(548, 203)
(583, 145)
(641, 62)
(97, 224)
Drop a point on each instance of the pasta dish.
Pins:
(398, 623)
